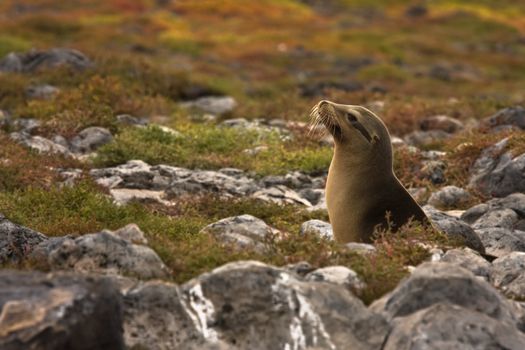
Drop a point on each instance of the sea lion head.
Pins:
(356, 130)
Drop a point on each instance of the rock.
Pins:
(42, 92)
(440, 282)
(59, 311)
(444, 326)
(515, 202)
(26, 125)
(449, 197)
(39, 143)
(127, 119)
(16, 241)
(245, 231)
(468, 259)
(89, 139)
(361, 248)
(416, 11)
(434, 170)
(507, 116)
(101, 253)
(339, 275)
(34, 60)
(317, 227)
(454, 228)
(508, 274)
(441, 122)
(501, 241)
(241, 299)
(314, 196)
(126, 195)
(213, 104)
(156, 319)
(504, 218)
(425, 138)
(496, 173)
(281, 195)
(131, 233)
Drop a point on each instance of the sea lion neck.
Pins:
(348, 159)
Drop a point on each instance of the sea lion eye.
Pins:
(351, 118)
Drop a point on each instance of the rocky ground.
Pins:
(147, 207)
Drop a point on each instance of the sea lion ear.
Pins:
(375, 139)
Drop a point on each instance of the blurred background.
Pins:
(463, 58)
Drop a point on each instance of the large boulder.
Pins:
(439, 282)
(508, 274)
(445, 326)
(250, 305)
(103, 252)
(59, 311)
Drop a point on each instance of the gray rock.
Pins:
(454, 228)
(42, 92)
(240, 300)
(156, 319)
(127, 119)
(101, 253)
(89, 139)
(212, 104)
(34, 60)
(361, 248)
(244, 231)
(131, 233)
(515, 202)
(444, 326)
(508, 274)
(317, 227)
(501, 241)
(468, 259)
(508, 116)
(504, 218)
(425, 138)
(281, 195)
(39, 143)
(439, 282)
(314, 196)
(441, 122)
(448, 197)
(497, 173)
(127, 195)
(16, 241)
(340, 275)
(59, 311)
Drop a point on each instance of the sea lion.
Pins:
(362, 189)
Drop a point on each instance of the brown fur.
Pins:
(361, 187)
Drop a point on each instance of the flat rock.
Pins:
(102, 253)
(243, 231)
(449, 197)
(131, 233)
(281, 195)
(213, 104)
(42, 92)
(440, 282)
(59, 311)
(514, 116)
(39, 143)
(126, 195)
(340, 275)
(445, 326)
(319, 228)
(423, 138)
(89, 139)
(16, 241)
(468, 259)
(501, 241)
(35, 59)
(454, 228)
(508, 274)
(250, 305)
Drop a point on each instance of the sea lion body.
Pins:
(361, 188)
